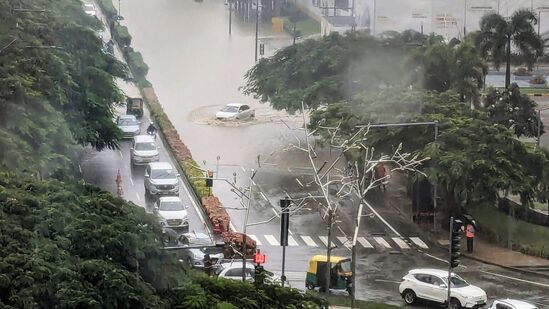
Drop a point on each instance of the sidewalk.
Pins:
(493, 254)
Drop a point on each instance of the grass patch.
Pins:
(304, 28)
(503, 229)
(540, 206)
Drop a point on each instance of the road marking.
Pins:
(291, 241)
(274, 211)
(377, 215)
(263, 196)
(131, 180)
(364, 242)
(309, 241)
(120, 153)
(382, 242)
(138, 198)
(389, 281)
(256, 239)
(243, 169)
(272, 240)
(324, 240)
(344, 241)
(401, 243)
(419, 242)
(516, 279)
(231, 226)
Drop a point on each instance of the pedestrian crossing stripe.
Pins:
(364, 242)
(401, 243)
(291, 241)
(382, 242)
(419, 242)
(309, 241)
(257, 241)
(342, 241)
(272, 240)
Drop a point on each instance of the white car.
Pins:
(431, 284)
(172, 212)
(511, 304)
(144, 150)
(235, 111)
(90, 9)
(129, 125)
(161, 179)
(233, 270)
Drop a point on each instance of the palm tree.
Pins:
(497, 34)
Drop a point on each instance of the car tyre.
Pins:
(409, 297)
(309, 285)
(455, 304)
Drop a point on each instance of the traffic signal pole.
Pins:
(450, 261)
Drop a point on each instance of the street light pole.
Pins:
(256, 26)
(375, 17)
(465, 20)
(245, 225)
(230, 15)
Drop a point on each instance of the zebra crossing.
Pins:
(375, 242)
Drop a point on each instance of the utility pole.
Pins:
(465, 20)
(256, 27)
(375, 18)
(244, 249)
(450, 263)
(230, 15)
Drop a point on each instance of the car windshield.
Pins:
(163, 174)
(172, 206)
(145, 146)
(124, 122)
(458, 282)
(345, 266)
(230, 109)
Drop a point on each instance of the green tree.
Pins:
(498, 37)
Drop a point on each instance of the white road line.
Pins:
(291, 241)
(389, 281)
(131, 180)
(401, 243)
(80, 168)
(243, 169)
(231, 226)
(382, 242)
(272, 240)
(120, 153)
(419, 242)
(377, 215)
(276, 214)
(324, 240)
(138, 198)
(344, 241)
(257, 241)
(263, 196)
(309, 241)
(364, 242)
(516, 279)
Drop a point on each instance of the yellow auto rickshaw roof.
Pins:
(324, 258)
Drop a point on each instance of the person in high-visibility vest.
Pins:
(470, 235)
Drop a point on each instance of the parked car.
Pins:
(90, 9)
(201, 244)
(511, 304)
(172, 212)
(144, 150)
(129, 125)
(161, 179)
(233, 270)
(431, 284)
(235, 111)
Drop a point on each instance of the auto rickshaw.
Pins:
(134, 106)
(340, 273)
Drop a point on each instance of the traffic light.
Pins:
(284, 221)
(455, 243)
(259, 275)
(261, 49)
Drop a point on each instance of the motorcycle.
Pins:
(152, 134)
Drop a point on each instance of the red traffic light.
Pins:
(259, 258)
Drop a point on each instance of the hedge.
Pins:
(138, 67)
(121, 35)
(108, 9)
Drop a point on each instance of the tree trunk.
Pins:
(508, 63)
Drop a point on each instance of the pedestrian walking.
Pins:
(380, 173)
(470, 235)
(208, 264)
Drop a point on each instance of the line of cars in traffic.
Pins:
(432, 285)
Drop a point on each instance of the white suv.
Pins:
(144, 150)
(431, 284)
(161, 179)
(511, 304)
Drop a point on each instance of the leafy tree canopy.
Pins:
(57, 87)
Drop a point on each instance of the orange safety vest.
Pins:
(470, 231)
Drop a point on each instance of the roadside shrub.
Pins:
(138, 67)
(190, 167)
(107, 8)
(121, 35)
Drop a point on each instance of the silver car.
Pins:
(235, 111)
(172, 212)
(144, 150)
(200, 244)
(161, 179)
(129, 125)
